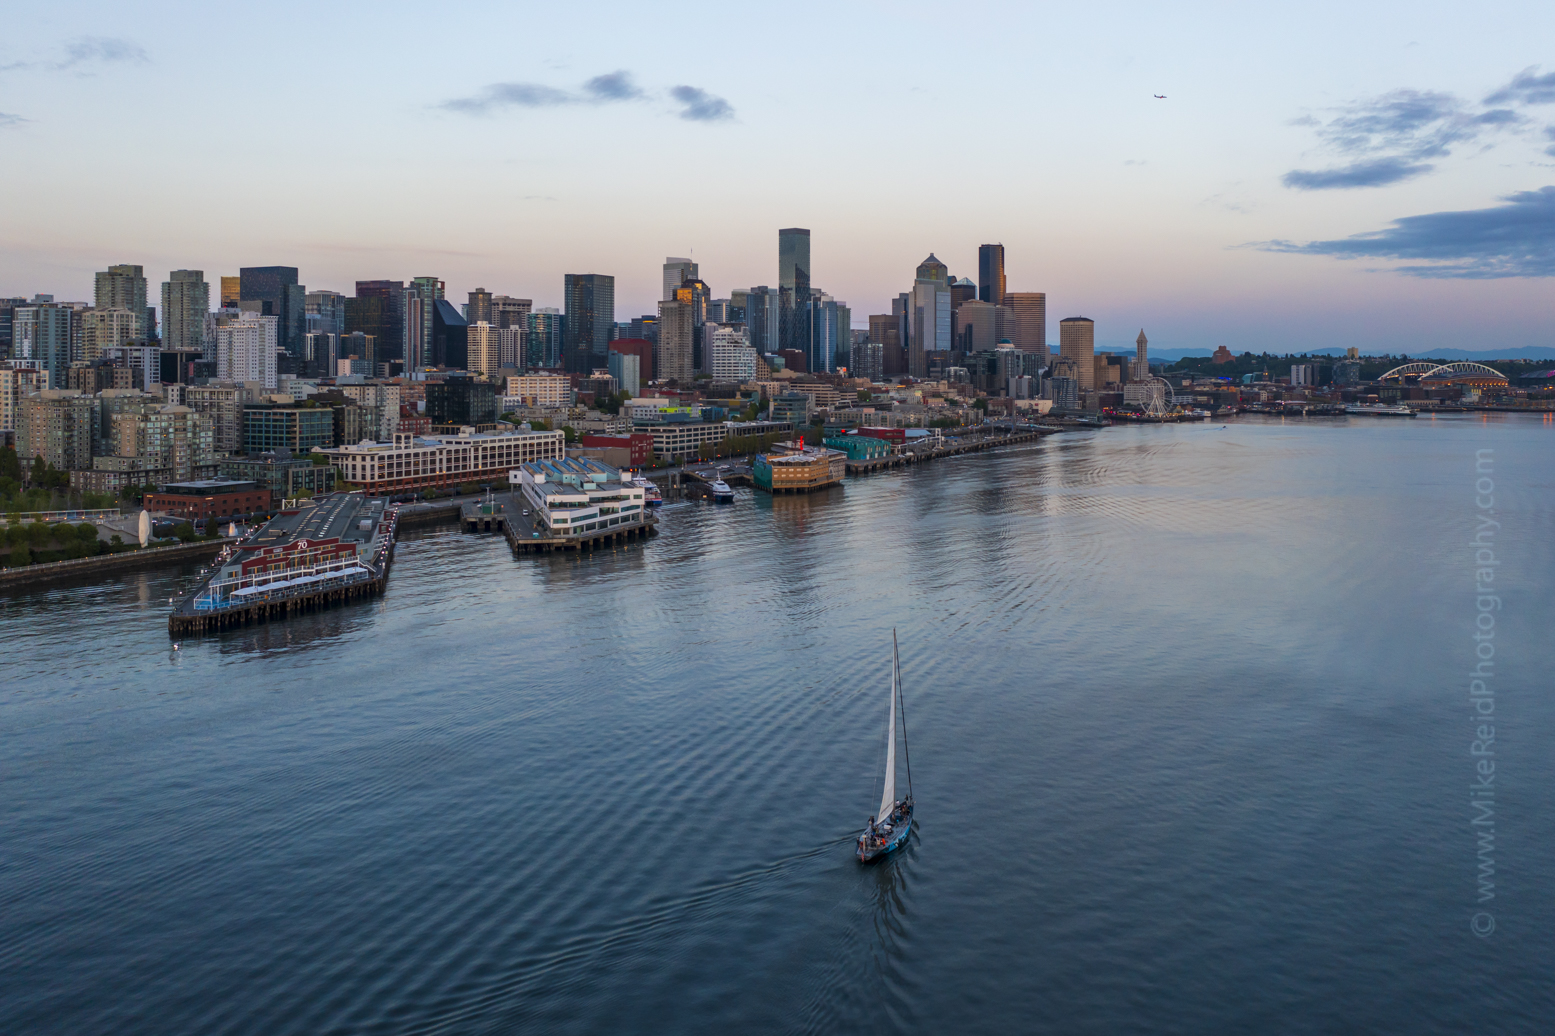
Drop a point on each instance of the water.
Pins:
(1189, 733)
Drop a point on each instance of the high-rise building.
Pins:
(102, 328)
(866, 360)
(990, 273)
(16, 384)
(59, 425)
(507, 311)
(763, 318)
(1029, 330)
(45, 333)
(793, 288)
(929, 316)
(461, 399)
(186, 301)
(673, 360)
(645, 327)
(450, 337)
(1140, 370)
(1077, 343)
(420, 304)
(546, 335)
(277, 287)
(231, 292)
(831, 336)
(223, 406)
(642, 348)
(478, 309)
(961, 290)
(626, 368)
(590, 303)
(484, 352)
(730, 356)
(512, 346)
(246, 348)
(124, 287)
(329, 309)
(677, 272)
(981, 326)
(379, 310)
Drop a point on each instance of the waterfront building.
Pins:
(1027, 327)
(299, 428)
(277, 289)
(186, 301)
(858, 447)
(1303, 375)
(413, 463)
(793, 467)
(577, 496)
(990, 274)
(168, 438)
(284, 475)
(246, 348)
(208, 498)
(1077, 343)
(59, 425)
(679, 439)
(589, 301)
(541, 390)
(124, 287)
(461, 401)
(631, 450)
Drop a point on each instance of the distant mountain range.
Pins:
(1527, 352)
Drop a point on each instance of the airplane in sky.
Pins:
(1159, 97)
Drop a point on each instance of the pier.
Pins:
(505, 515)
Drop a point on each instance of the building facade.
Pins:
(1077, 343)
(409, 464)
(589, 300)
(186, 302)
(1029, 328)
(246, 349)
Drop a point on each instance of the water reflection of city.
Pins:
(798, 511)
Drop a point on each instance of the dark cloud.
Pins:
(104, 49)
(1376, 173)
(614, 86)
(1514, 239)
(701, 106)
(1549, 132)
(1526, 87)
(1389, 138)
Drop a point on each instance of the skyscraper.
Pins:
(990, 273)
(762, 318)
(676, 332)
(231, 292)
(450, 337)
(44, 334)
(928, 314)
(186, 300)
(329, 307)
(507, 311)
(385, 320)
(1077, 343)
(546, 327)
(1029, 331)
(277, 287)
(426, 291)
(478, 311)
(831, 333)
(124, 287)
(676, 272)
(589, 301)
(793, 287)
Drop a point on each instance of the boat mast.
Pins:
(896, 661)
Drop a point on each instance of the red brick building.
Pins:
(214, 498)
(639, 445)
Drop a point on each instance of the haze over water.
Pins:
(1186, 709)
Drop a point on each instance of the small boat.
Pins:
(720, 491)
(1380, 410)
(888, 829)
(651, 495)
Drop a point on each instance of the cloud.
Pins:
(105, 49)
(1375, 173)
(1549, 132)
(701, 106)
(1389, 137)
(1526, 87)
(8, 119)
(614, 86)
(1514, 239)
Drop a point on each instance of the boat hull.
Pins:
(898, 839)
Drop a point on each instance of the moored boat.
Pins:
(888, 829)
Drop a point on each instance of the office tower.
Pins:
(461, 399)
(697, 295)
(677, 272)
(865, 360)
(507, 311)
(990, 273)
(1028, 332)
(729, 352)
(645, 327)
(421, 296)
(589, 300)
(450, 337)
(546, 327)
(124, 287)
(928, 314)
(793, 287)
(830, 336)
(282, 297)
(718, 311)
(478, 309)
(186, 299)
(1140, 370)
(677, 330)
(378, 309)
(1077, 344)
(320, 350)
(763, 318)
(231, 292)
(329, 307)
(961, 290)
(735, 311)
(981, 326)
(46, 334)
(246, 348)
(7, 325)
(512, 346)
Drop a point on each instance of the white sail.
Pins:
(888, 798)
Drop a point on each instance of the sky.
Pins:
(1323, 175)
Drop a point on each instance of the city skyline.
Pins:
(1265, 179)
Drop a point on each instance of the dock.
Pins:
(505, 515)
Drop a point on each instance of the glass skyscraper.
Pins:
(589, 300)
(284, 299)
(793, 288)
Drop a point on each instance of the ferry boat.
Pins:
(651, 495)
(1380, 410)
(721, 492)
(888, 829)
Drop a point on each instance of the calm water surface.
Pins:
(1189, 732)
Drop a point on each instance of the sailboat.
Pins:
(888, 829)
